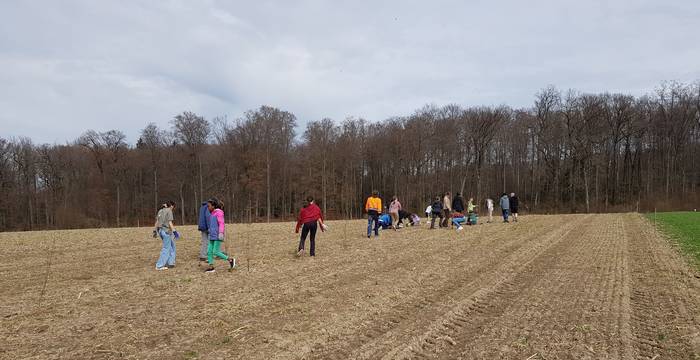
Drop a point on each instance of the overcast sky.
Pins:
(68, 66)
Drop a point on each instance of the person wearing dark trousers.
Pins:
(309, 218)
(447, 209)
(514, 206)
(373, 207)
(403, 214)
(436, 208)
(505, 206)
(458, 203)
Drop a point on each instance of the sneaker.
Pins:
(202, 259)
(460, 228)
(210, 270)
(231, 263)
(170, 266)
(300, 253)
(369, 236)
(162, 268)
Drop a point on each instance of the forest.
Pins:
(570, 152)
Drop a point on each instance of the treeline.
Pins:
(569, 152)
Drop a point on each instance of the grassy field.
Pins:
(683, 227)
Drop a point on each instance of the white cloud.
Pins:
(72, 65)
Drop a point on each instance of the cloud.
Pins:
(69, 66)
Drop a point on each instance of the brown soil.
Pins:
(549, 287)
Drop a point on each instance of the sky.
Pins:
(68, 66)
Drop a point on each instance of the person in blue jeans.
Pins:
(373, 206)
(505, 206)
(165, 228)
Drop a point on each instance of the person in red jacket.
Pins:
(309, 218)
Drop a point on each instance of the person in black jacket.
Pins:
(514, 206)
(436, 212)
(458, 203)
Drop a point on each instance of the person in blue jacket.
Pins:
(203, 227)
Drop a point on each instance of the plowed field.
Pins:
(548, 287)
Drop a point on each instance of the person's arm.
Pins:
(171, 226)
(296, 229)
(222, 225)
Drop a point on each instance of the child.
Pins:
(470, 206)
(428, 211)
(436, 212)
(415, 220)
(309, 216)
(489, 207)
(458, 219)
(505, 206)
(165, 228)
(473, 218)
(216, 235)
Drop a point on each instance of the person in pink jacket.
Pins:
(216, 235)
(394, 208)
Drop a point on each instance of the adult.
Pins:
(446, 208)
(436, 212)
(489, 207)
(203, 227)
(514, 206)
(217, 230)
(394, 209)
(165, 228)
(505, 206)
(373, 207)
(458, 203)
(310, 217)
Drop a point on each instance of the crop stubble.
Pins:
(570, 286)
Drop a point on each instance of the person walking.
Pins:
(514, 206)
(489, 207)
(203, 227)
(447, 209)
(165, 228)
(436, 212)
(505, 206)
(394, 209)
(216, 235)
(309, 218)
(373, 207)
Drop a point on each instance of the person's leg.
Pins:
(455, 222)
(369, 225)
(165, 250)
(210, 253)
(313, 227)
(302, 239)
(490, 215)
(172, 253)
(204, 247)
(394, 220)
(376, 225)
(217, 251)
(432, 221)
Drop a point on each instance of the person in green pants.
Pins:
(216, 235)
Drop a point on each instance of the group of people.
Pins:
(211, 225)
(448, 211)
